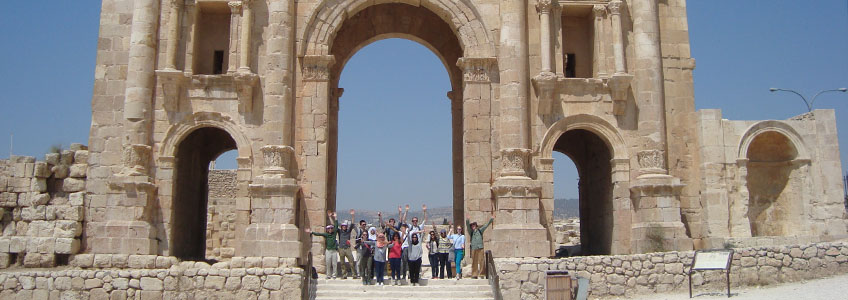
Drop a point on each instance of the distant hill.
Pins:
(566, 208)
(563, 209)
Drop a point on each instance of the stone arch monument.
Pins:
(607, 82)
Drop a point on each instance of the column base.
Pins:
(270, 240)
(659, 237)
(121, 237)
(519, 240)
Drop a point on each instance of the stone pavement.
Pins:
(828, 288)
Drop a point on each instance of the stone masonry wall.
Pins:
(121, 277)
(42, 207)
(623, 275)
(221, 214)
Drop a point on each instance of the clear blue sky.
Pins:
(395, 117)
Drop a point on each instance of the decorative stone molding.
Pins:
(514, 162)
(173, 87)
(317, 67)
(235, 6)
(546, 86)
(136, 158)
(599, 11)
(517, 191)
(277, 159)
(544, 6)
(478, 69)
(652, 161)
(619, 85)
(614, 7)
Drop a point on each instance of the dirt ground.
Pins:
(828, 288)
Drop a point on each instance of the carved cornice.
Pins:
(544, 6)
(317, 67)
(478, 69)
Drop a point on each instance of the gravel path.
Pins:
(829, 288)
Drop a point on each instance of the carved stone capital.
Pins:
(277, 159)
(615, 7)
(651, 161)
(598, 11)
(544, 6)
(514, 162)
(136, 158)
(545, 84)
(317, 67)
(235, 6)
(478, 69)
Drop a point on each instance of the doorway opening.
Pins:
(189, 213)
(592, 159)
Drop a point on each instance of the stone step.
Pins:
(377, 292)
(447, 288)
(423, 281)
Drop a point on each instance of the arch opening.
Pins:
(422, 26)
(775, 184)
(592, 158)
(189, 212)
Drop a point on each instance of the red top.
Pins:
(395, 251)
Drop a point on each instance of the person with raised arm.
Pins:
(415, 251)
(389, 228)
(477, 253)
(458, 239)
(348, 266)
(330, 245)
(365, 250)
(380, 247)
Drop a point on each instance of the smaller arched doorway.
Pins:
(190, 201)
(775, 185)
(593, 160)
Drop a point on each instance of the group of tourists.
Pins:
(400, 244)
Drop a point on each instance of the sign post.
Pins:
(712, 260)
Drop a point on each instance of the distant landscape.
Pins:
(563, 209)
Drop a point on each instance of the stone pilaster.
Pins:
(599, 11)
(620, 81)
(273, 208)
(235, 9)
(545, 81)
(244, 38)
(657, 224)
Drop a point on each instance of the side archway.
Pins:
(597, 151)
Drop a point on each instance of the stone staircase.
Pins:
(439, 289)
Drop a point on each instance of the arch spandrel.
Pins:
(178, 132)
(606, 131)
(772, 126)
(461, 16)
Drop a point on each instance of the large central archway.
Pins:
(454, 32)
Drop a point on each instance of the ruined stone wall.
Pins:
(221, 214)
(623, 275)
(105, 276)
(42, 207)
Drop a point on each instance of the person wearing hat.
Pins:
(345, 251)
(477, 263)
(330, 246)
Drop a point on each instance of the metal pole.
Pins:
(808, 103)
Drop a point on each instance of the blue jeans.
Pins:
(459, 254)
(395, 263)
(379, 270)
